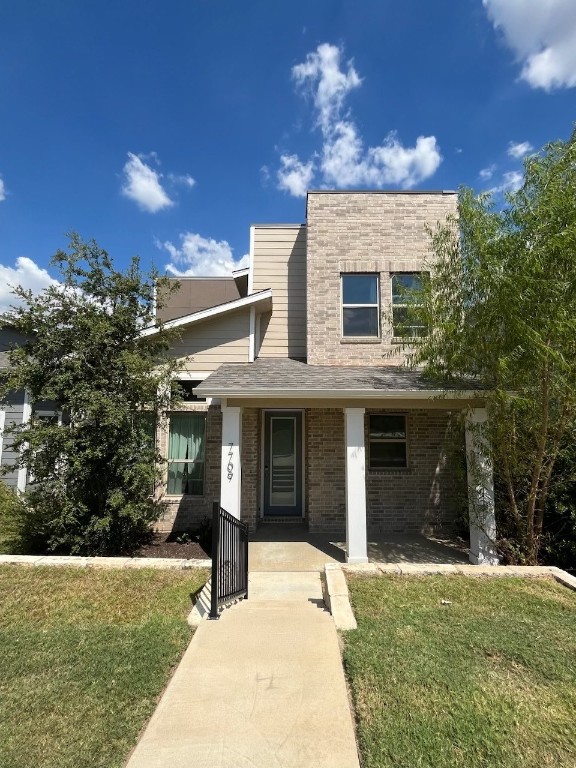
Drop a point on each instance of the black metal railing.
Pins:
(229, 559)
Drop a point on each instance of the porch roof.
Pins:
(285, 378)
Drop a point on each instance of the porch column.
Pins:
(230, 474)
(356, 540)
(480, 490)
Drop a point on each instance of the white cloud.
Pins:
(142, 184)
(511, 182)
(344, 161)
(294, 176)
(185, 179)
(322, 76)
(2, 190)
(25, 273)
(542, 33)
(487, 173)
(201, 256)
(517, 150)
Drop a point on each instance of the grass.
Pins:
(488, 679)
(84, 655)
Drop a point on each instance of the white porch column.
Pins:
(480, 491)
(356, 539)
(230, 473)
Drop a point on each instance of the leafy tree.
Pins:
(500, 304)
(93, 470)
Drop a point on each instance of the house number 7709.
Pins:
(230, 465)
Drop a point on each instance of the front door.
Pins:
(282, 463)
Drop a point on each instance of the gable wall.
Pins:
(204, 346)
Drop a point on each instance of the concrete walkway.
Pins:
(262, 687)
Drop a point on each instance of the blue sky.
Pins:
(166, 129)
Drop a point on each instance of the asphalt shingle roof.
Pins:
(270, 375)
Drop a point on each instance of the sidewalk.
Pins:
(262, 687)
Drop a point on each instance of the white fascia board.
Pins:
(240, 272)
(251, 263)
(206, 314)
(342, 394)
(191, 375)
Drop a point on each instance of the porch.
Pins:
(354, 449)
(293, 548)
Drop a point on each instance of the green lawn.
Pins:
(84, 654)
(486, 680)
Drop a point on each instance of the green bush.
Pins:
(21, 530)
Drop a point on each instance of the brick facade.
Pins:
(428, 497)
(250, 459)
(362, 232)
(325, 463)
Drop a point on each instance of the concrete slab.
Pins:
(62, 561)
(414, 550)
(289, 547)
(564, 578)
(262, 687)
(201, 608)
(290, 586)
(287, 556)
(107, 562)
(154, 562)
(19, 559)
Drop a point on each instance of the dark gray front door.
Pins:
(282, 463)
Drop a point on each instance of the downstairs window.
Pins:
(387, 441)
(186, 447)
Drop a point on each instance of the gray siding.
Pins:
(13, 406)
(9, 338)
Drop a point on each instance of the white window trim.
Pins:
(354, 306)
(193, 376)
(26, 416)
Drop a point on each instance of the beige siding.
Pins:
(280, 264)
(206, 345)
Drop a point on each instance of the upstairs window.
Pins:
(360, 305)
(387, 438)
(185, 391)
(406, 320)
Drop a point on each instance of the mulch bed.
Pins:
(164, 545)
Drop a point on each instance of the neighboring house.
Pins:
(14, 409)
(297, 405)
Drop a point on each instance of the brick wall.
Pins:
(325, 468)
(362, 232)
(250, 459)
(427, 497)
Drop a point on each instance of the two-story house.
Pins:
(297, 405)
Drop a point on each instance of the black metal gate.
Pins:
(229, 559)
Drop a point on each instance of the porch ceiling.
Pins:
(285, 378)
